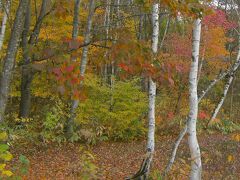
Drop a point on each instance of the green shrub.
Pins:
(88, 168)
(16, 170)
(5, 155)
(54, 123)
(116, 114)
(225, 126)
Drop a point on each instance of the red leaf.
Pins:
(202, 115)
(57, 71)
(123, 66)
(69, 68)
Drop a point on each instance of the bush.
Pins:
(54, 123)
(5, 155)
(226, 126)
(103, 114)
(16, 171)
(116, 115)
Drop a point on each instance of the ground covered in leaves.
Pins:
(117, 160)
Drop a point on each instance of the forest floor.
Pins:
(117, 160)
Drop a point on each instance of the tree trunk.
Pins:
(9, 59)
(174, 151)
(76, 19)
(152, 84)
(165, 33)
(75, 32)
(4, 23)
(196, 165)
(27, 74)
(25, 101)
(232, 69)
(227, 86)
(106, 25)
(144, 171)
(87, 38)
(151, 116)
(35, 33)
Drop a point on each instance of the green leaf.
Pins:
(23, 159)
(3, 148)
(24, 171)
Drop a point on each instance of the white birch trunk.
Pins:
(196, 165)
(75, 32)
(151, 116)
(144, 171)
(155, 23)
(106, 24)
(231, 70)
(87, 38)
(4, 23)
(218, 107)
(152, 84)
(227, 86)
(165, 33)
(76, 19)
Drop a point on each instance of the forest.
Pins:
(120, 89)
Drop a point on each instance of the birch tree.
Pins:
(196, 164)
(152, 84)
(75, 32)
(76, 19)
(84, 59)
(227, 85)
(144, 171)
(231, 70)
(9, 59)
(234, 68)
(4, 22)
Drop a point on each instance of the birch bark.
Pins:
(4, 23)
(144, 171)
(152, 84)
(196, 164)
(75, 32)
(87, 38)
(227, 86)
(76, 19)
(231, 70)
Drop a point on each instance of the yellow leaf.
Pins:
(237, 138)
(2, 166)
(6, 156)
(3, 136)
(207, 160)
(230, 158)
(7, 173)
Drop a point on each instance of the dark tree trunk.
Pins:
(25, 80)
(27, 74)
(9, 59)
(25, 102)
